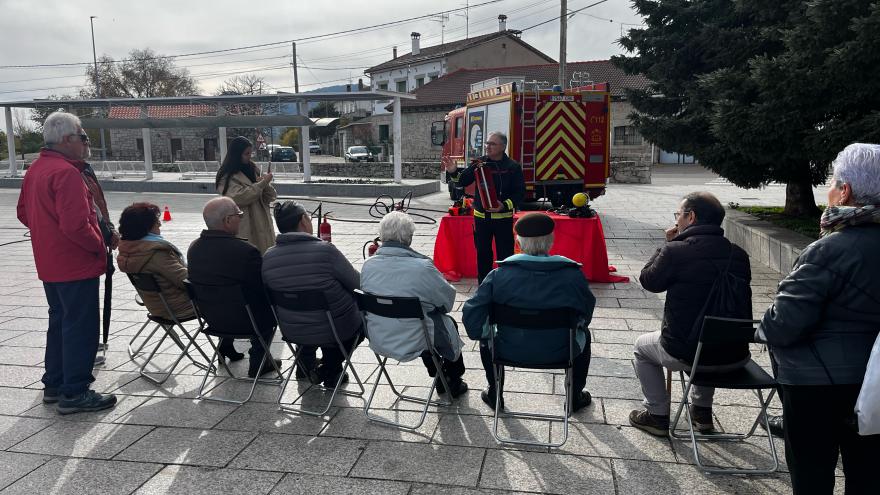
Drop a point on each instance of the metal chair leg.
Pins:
(132, 353)
(403, 397)
(499, 370)
(337, 389)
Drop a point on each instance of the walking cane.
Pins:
(108, 300)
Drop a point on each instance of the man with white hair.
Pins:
(534, 280)
(69, 254)
(397, 270)
(218, 257)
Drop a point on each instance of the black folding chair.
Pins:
(131, 352)
(537, 320)
(225, 313)
(310, 301)
(146, 283)
(726, 331)
(400, 308)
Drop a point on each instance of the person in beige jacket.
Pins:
(240, 180)
(142, 249)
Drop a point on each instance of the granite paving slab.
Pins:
(440, 464)
(14, 466)
(300, 454)
(193, 480)
(309, 484)
(546, 473)
(78, 439)
(63, 476)
(187, 446)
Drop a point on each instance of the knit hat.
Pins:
(534, 225)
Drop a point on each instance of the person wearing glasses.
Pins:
(239, 178)
(220, 257)
(686, 268)
(493, 223)
(70, 256)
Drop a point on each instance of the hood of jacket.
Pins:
(392, 248)
(543, 263)
(133, 255)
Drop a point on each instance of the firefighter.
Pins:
(497, 222)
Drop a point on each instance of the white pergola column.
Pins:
(305, 153)
(10, 142)
(221, 142)
(148, 153)
(395, 128)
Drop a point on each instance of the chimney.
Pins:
(502, 23)
(360, 84)
(394, 52)
(415, 42)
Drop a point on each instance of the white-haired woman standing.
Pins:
(821, 328)
(397, 270)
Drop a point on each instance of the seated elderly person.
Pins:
(534, 280)
(299, 261)
(144, 250)
(397, 270)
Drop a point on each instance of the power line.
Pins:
(285, 42)
(570, 13)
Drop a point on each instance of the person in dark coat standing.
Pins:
(218, 257)
(695, 254)
(493, 223)
(70, 255)
(300, 261)
(534, 280)
(821, 328)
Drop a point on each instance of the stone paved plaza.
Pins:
(159, 440)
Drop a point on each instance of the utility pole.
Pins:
(295, 75)
(563, 26)
(97, 82)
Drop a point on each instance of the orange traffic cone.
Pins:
(166, 217)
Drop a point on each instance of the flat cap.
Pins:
(534, 225)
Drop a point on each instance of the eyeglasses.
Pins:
(490, 143)
(238, 214)
(84, 138)
(679, 213)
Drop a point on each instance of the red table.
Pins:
(579, 239)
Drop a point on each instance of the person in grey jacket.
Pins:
(397, 270)
(300, 261)
(821, 327)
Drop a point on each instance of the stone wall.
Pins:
(776, 247)
(380, 170)
(125, 148)
(630, 172)
(415, 144)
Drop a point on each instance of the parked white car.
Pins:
(359, 154)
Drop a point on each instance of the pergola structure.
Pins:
(226, 106)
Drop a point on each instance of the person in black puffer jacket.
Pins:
(821, 327)
(686, 267)
(300, 261)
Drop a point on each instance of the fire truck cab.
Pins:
(561, 138)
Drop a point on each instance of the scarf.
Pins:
(837, 218)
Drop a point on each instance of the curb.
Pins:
(774, 246)
(418, 188)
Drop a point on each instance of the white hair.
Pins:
(501, 135)
(216, 211)
(859, 166)
(397, 226)
(535, 245)
(58, 125)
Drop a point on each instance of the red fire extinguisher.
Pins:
(373, 247)
(324, 230)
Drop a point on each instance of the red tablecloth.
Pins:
(579, 239)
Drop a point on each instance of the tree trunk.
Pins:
(799, 200)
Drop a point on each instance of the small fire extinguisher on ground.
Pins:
(325, 230)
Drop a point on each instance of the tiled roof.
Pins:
(436, 51)
(164, 111)
(452, 89)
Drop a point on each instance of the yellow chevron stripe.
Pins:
(566, 158)
(548, 138)
(549, 126)
(574, 111)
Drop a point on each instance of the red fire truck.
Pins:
(561, 138)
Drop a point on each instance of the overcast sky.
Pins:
(57, 32)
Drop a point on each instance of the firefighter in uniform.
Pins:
(497, 222)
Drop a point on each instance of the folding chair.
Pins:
(531, 319)
(726, 331)
(146, 283)
(225, 313)
(302, 301)
(400, 308)
(131, 352)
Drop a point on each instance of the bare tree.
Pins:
(248, 84)
(142, 74)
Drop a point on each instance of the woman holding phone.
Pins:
(240, 180)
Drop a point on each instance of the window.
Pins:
(420, 81)
(626, 135)
(383, 86)
(432, 77)
(140, 147)
(176, 149)
(384, 133)
(459, 127)
(401, 86)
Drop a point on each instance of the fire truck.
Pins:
(560, 137)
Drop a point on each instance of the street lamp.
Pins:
(97, 83)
